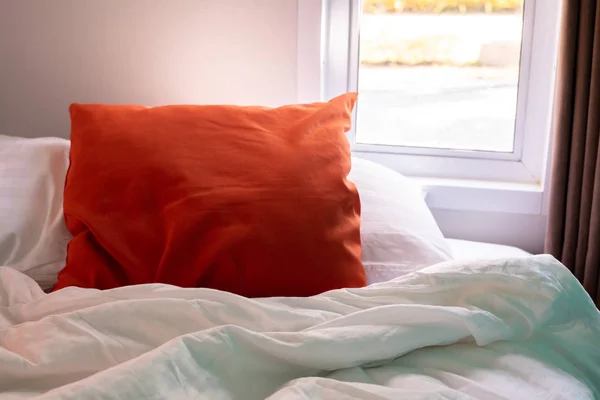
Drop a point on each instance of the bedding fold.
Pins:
(506, 329)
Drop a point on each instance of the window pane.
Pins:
(439, 73)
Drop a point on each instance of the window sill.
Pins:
(470, 184)
(487, 196)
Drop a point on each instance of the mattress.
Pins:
(467, 250)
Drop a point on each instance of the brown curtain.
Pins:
(574, 222)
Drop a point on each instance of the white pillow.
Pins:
(33, 235)
(398, 232)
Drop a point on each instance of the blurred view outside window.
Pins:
(439, 74)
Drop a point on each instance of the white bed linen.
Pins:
(33, 234)
(398, 232)
(514, 329)
(468, 250)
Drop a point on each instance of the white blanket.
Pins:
(512, 329)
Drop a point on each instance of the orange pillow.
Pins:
(249, 200)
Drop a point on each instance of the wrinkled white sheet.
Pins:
(514, 329)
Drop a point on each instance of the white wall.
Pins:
(522, 230)
(56, 52)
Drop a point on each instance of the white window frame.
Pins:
(328, 37)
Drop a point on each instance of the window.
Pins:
(460, 89)
(439, 74)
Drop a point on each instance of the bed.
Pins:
(468, 250)
(433, 317)
(520, 329)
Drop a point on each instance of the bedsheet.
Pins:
(469, 250)
(505, 329)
